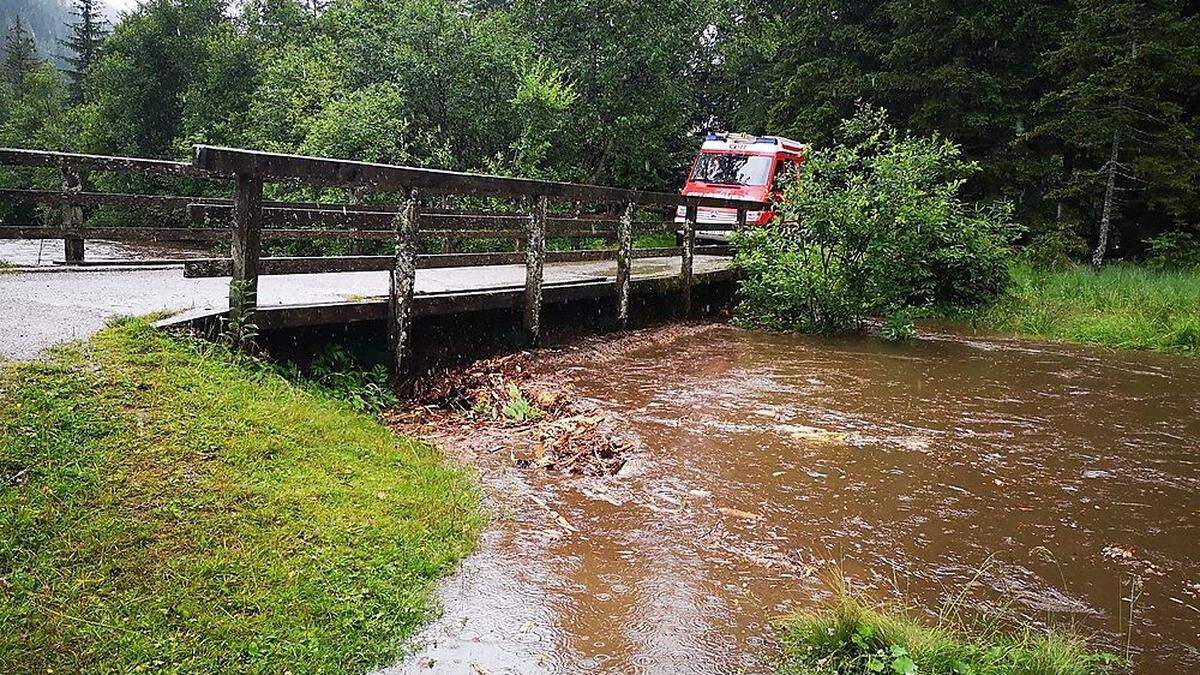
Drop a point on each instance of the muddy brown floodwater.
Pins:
(1048, 474)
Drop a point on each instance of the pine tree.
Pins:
(20, 53)
(87, 34)
(1117, 111)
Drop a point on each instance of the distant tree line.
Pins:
(1082, 113)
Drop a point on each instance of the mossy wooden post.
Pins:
(402, 286)
(535, 263)
(688, 256)
(72, 216)
(245, 251)
(624, 264)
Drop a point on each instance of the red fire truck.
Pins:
(739, 166)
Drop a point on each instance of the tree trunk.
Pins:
(1106, 215)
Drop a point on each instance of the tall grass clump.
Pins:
(1121, 306)
(851, 638)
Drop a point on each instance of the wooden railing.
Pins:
(420, 206)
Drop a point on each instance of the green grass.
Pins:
(1122, 306)
(165, 507)
(850, 638)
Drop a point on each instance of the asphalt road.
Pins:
(39, 309)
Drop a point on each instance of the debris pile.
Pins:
(500, 407)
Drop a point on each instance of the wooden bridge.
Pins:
(472, 225)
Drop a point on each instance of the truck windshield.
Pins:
(722, 169)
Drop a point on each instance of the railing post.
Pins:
(72, 216)
(688, 258)
(741, 219)
(245, 252)
(356, 242)
(403, 285)
(624, 263)
(535, 263)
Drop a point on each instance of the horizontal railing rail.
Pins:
(331, 172)
(81, 162)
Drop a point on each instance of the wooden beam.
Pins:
(223, 267)
(688, 258)
(336, 172)
(624, 264)
(725, 250)
(535, 264)
(72, 215)
(53, 198)
(81, 162)
(402, 286)
(124, 234)
(245, 251)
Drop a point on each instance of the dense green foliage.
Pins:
(1072, 110)
(1122, 306)
(1035, 92)
(165, 507)
(874, 226)
(852, 639)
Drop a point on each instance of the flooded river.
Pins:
(1047, 474)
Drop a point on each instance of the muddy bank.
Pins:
(761, 459)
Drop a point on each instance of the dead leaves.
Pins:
(554, 432)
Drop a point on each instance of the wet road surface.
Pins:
(1047, 474)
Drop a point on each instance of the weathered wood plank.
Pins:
(72, 215)
(535, 263)
(123, 234)
(688, 258)
(328, 171)
(717, 250)
(245, 251)
(223, 267)
(624, 264)
(82, 162)
(52, 198)
(402, 286)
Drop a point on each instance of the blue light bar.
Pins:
(768, 139)
(715, 137)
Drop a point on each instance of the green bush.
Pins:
(1178, 250)
(875, 225)
(1056, 249)
(365, 388)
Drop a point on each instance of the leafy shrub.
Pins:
(1175, 251)
(518, 408)
(874, 226)
(366, 389)
(898, 327)
(1055, 250)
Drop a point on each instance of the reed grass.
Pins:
(1121, 306)
(851, 637)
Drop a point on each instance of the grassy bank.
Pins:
(164, 508)
(852, 639)
(1122, 306)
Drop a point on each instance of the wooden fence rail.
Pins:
(529, 213)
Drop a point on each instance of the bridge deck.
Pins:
(44, 308)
